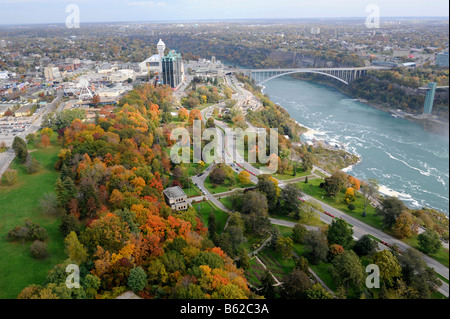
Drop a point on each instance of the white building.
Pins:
(52, 73)
(3, 75)
(153, 63)
(121, 75)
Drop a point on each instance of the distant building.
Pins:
(3, 75)
(154, 63)
(315, 30)
(401, 53)
(442, 59)
(25, 110)
(409, 64)
(52, 73)
(176, 198)
(172, 69)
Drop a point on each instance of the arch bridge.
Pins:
(344, 75)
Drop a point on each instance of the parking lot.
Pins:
(11, 127)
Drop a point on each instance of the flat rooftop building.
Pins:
(176, 198)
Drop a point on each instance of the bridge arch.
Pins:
(302, 71)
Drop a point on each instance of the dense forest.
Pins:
(118, 229)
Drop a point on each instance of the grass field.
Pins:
(204, 208)
(17, 203)
(441, 256)
(216, 189)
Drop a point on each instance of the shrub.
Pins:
(32, 166)
(28, 231)
(10, 177)
(38, 249)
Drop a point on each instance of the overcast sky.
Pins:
(54, 11)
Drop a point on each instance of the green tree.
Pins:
(137, 280)
(267, 288)
(347, 270)
(316, 245)
(74, 249)
(388, 264)
(244, 260)
(20, 148)
(365, 246)
(212, 225)
(340, 233)
(298, 232)
(417, 274)
(369, 190)
(38, 249)
(296, 285)
(285, 247)
(335, 183)
(429, 242)
(391, 208)
(290, 198)
(317, 291)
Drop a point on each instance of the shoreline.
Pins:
(410, 202)
(431, 125)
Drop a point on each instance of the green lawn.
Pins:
(17, 203)
(441, 256)
(288, 175)
(313, 189)
(204, 208)
(225, 187)
(227, 202)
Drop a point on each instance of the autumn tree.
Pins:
(194, 115)
(404, 225)
(183, 114)
(244, 177)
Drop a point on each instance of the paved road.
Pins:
(359, 228)
(7, 157)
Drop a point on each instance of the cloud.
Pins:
(150, 4)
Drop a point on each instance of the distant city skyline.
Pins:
(54, 11)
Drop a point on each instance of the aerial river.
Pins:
(407, 161)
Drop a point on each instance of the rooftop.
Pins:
(172, 55)
(174, 192)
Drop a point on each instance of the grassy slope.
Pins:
(17, 203)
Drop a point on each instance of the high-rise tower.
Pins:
(161, 48)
